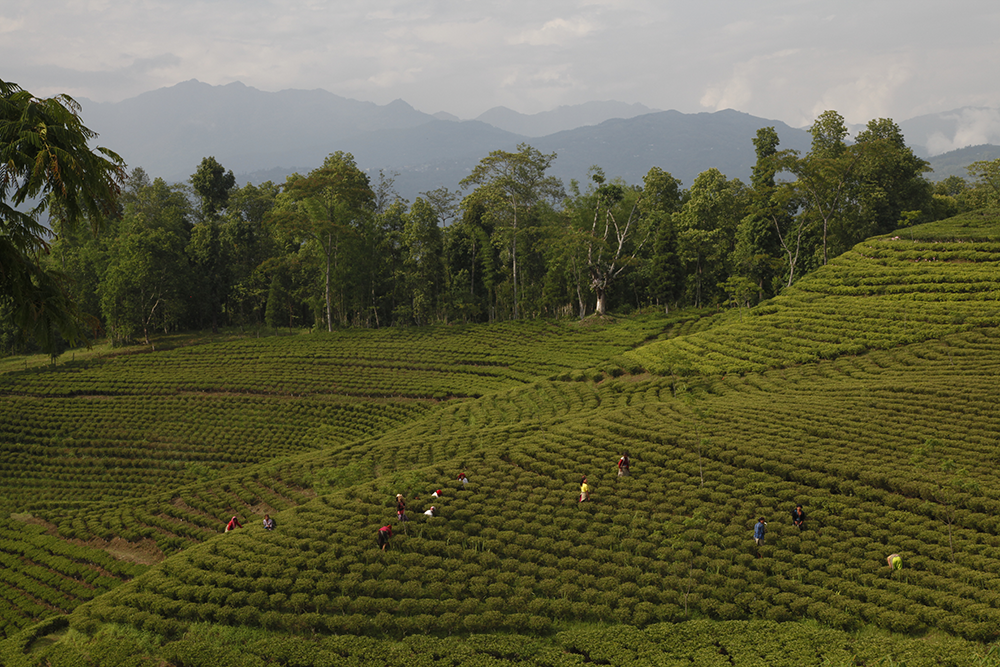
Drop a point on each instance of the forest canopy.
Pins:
(338, 247)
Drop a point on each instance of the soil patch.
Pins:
(143, 552)
(50, 528)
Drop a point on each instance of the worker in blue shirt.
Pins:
(758, 534)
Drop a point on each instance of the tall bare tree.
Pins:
(509, 185)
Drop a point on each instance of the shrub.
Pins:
(385, 623)
(248, 616)
(257, 599)
(272, 620)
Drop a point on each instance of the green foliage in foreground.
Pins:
(892, 449)
(703, 643)
(158, 450)
(857, 441)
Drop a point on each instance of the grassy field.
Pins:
(866, 393)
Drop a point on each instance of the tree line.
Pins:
(338, 248)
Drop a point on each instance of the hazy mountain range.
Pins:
(266, 136)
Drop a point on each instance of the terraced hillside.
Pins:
(866, 394)
(145, 454)
(129, 426)
(920, 284)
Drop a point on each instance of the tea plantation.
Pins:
(866, 393)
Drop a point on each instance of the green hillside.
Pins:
(866, 393)
(918, 285)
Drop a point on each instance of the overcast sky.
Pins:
(779, 59)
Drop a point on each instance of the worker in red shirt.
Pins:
(623, 465)
(384, 533)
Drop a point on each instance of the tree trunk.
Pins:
(697, 283)
(514, 265)
(472, 273)
(215, 307)
(601, 301)
(329, 313)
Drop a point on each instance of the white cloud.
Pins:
(754, 75)
(388, 79)
(556, 32)
(972, 127)
(550, 76)
(10, 24)
(464, 36)
(867, 89)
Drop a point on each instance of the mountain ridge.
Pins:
(559, 119)
(266, 136)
